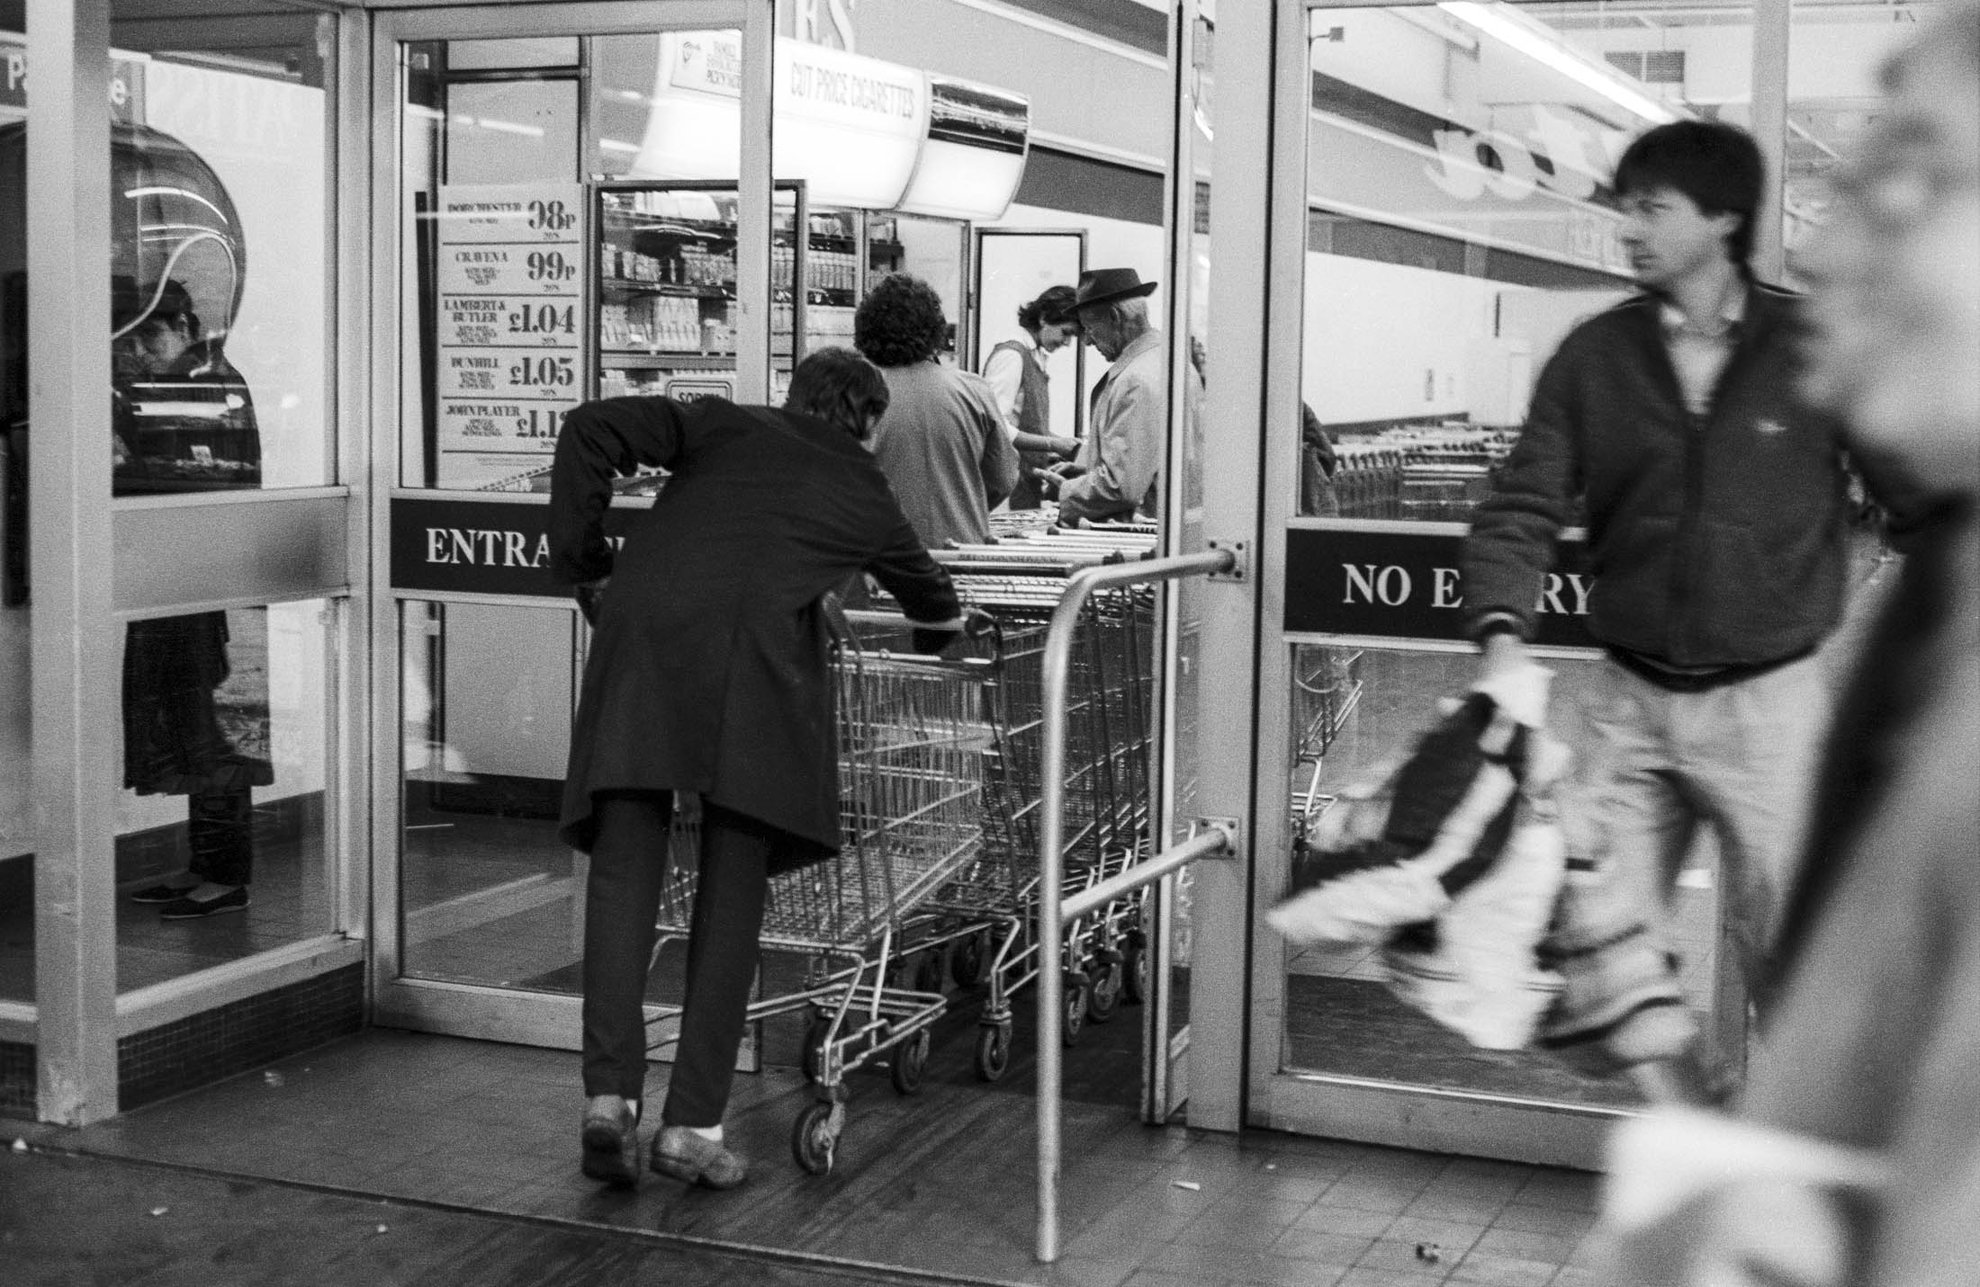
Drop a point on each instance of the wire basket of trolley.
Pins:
(912, 732)
(992, 906)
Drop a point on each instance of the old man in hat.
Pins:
(1116, 472)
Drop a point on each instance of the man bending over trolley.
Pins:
(709, 673)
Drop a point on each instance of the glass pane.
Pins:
(228, 736)
(1357, 712)
(1834, 55)
(221, 154)
(497, 344)
(16, 735)
(1435, 291)
(488, 892)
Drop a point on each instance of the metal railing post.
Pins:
(1051, 858)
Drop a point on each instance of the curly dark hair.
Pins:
(900, 321)
(1054, 304)
(839, 387)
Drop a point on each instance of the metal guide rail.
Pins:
(1057, 912)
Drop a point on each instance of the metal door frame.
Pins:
(1270, 54)
(482, 1010)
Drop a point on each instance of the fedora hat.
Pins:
(1103, 285)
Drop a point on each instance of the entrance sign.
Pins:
(511, 351)
(1349, 579)
(484, 547)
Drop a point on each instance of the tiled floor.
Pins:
(941, 1183)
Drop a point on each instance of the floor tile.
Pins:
(1462, 1208)
(1527, 1246)
(1345, 1221)
(1327, 1248)
(1419, 1258)
(1489, 1270)
(1539, 1219)
(1453, 1238)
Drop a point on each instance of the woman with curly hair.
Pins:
(941, 442)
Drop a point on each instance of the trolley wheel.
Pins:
(1134, 973)
(1103, 991)
(814, 1140)
(910, 1062)
(967, 959)
(815, 1034)
(928, 972)
(993, 1051)
(1075, 1009)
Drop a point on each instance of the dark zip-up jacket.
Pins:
(1715, 540)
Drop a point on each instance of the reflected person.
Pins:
(709, 674)
(183, 420)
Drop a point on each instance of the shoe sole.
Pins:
(688, 1173)
(609, 1157)
(142, 901)
(202, 915)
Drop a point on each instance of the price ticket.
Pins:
(512, 331)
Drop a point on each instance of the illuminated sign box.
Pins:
(858, 131)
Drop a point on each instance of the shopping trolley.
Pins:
(912, 735)
(993, 912)
(1326, 690)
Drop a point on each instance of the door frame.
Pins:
(482, 1010)
(1265, 114)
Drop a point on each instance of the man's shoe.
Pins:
(610, 1140)
(162, 893)
(680, 1153)
(187, 908)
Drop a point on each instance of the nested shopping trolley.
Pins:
(993, 906)
(913, 732)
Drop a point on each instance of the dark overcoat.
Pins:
(709, 669)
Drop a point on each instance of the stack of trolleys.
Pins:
(1020, 580)
(912, 735)
(1326, 689)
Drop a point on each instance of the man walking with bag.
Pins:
(1716, 511)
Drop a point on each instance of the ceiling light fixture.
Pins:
(1541, 45)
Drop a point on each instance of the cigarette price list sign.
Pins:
(513, 336)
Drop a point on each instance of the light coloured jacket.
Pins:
(1122, 455)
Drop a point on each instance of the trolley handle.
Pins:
(979, 627)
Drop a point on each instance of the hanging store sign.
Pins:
(510, 361)
(859, 132)
(484, 547)
(1384, 583)
(973, 158)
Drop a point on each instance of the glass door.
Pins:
(570, 201)
(1447, 219)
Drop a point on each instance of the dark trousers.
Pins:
(621, 902)
(220, 834)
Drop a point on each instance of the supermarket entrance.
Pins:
(573, 201)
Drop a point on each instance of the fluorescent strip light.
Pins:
(1495, 21)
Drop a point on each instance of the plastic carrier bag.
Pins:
(1451, 865)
